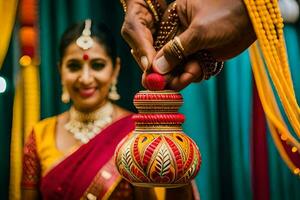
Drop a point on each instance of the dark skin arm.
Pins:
(137, 30)
(222, 27)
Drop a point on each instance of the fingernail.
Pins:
(145, 62)
(162, 65)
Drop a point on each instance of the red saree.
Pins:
(71, 178)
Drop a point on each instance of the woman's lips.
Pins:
(86, 92)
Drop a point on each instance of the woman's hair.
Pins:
(99, 32)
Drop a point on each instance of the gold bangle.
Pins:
(154, 9)
(177, 49)
(209, 65)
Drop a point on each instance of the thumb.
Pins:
(176, 50)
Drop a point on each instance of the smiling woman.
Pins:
(70, 156)
(61, 142)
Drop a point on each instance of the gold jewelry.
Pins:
(167, 28)
(124, 5)
(209, 65)
(113, 93)
(65, 96)
(178, 44)
(154, 8)
(85, 126)
(85, 41)
(174, 50)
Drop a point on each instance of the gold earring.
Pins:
(113, 93)
(65, 97)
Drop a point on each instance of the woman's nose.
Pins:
(86, 75)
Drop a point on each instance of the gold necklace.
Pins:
(85, 126)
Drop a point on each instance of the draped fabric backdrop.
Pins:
(218, 112)
(7, 19)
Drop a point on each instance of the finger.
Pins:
(142, 47)
(180, 82)
(194, 36)
(169, 54)
(136, 30)
(136, 58)
(189, 43)
(142, 61)
(192, 72)
(167, 58)
(144, 79)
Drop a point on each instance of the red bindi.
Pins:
(85, 57)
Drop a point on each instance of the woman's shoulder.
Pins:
(45, 122)
(44, 127)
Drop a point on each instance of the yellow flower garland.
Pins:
(268, 25)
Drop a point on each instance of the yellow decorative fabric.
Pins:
(26, 114)
(7, 16)
(16, 145)
(46, 146)
(31, 96)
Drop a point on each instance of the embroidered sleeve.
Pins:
(31, 164)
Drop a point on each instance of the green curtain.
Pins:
(6, 104)
(218, 111)
(8, 72)
(218, 118)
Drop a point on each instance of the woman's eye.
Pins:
(74, 66)
(98, 65)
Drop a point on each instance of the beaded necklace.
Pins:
(85, 126)
(268, 25)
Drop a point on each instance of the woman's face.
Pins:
(87, 75)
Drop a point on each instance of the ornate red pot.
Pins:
(158, 153)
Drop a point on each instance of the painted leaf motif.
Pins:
(163, 161)
(192, 168)
(126, 158)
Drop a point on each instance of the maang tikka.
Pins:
(85, 41)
